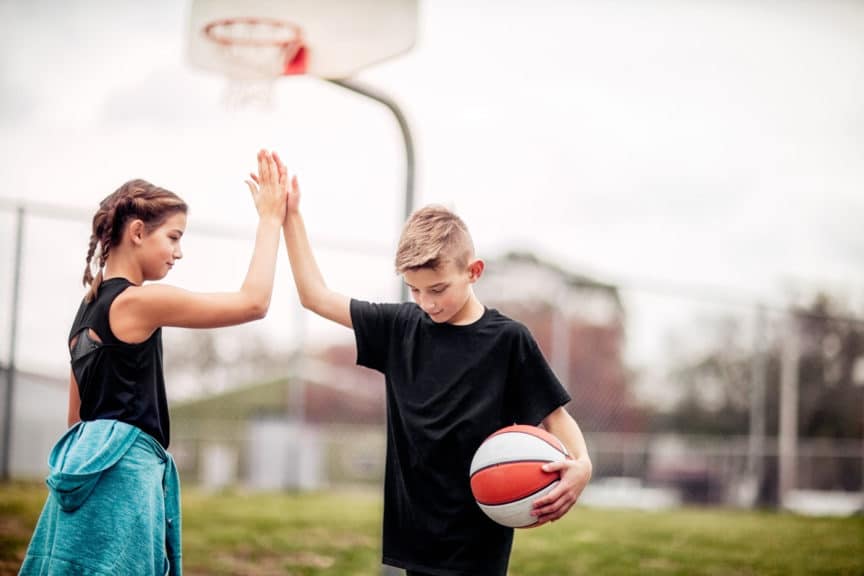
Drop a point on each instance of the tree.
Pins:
(715, 385)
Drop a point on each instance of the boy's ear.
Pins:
(475, 269)
(135, 231)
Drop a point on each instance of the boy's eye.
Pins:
(438, 290)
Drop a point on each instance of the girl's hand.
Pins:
(269, 191)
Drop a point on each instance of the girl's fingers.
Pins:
(264, 166)
(274, 170)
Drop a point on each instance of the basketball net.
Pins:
(255, 52)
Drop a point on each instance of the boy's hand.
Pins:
(575, 475)
(293, 191)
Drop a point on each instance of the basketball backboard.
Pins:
(330, 39)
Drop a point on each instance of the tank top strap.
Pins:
(93, 315)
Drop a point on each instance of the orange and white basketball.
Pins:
(507, 474)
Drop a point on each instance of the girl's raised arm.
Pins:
(140, 310)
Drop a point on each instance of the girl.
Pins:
(114, 503)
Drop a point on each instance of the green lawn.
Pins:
(338, 533)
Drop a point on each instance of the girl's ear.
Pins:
(475, 269)
(135, 231)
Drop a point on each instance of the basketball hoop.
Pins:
(255, 52)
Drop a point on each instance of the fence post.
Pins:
(788, 457)
(756, 440)
(5, 456)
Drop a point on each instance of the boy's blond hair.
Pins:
(433, 236)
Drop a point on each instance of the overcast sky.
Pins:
(701, 147)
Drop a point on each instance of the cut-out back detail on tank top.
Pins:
(86, 342)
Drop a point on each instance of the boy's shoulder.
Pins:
(503, 323)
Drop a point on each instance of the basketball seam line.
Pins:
(496, 464)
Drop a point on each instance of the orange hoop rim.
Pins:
(214, 31)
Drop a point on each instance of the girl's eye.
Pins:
(438, 290)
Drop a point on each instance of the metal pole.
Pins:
(408, 207)
(756, 445)
(789, 409)
(5, 457)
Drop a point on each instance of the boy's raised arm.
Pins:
(311, 288)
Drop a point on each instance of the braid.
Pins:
(97, 248)
(88, 275)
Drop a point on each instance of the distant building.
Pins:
(579, 324)
(319, 425)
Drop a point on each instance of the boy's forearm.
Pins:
(575, 442)
(307, 276)
(562, 425)
(312, 290)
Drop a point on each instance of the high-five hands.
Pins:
(269, 187)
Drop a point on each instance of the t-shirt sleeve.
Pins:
(536, 389)
(373, 330)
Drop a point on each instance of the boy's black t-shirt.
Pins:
(448, 388)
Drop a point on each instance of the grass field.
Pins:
(338, 533)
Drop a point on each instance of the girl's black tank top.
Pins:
(117, 380)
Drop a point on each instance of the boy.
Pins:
(455, 372)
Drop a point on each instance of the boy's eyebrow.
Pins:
(436, 285)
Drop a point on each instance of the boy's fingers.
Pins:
(549, 498)
(555, 466)
(254, 177)
(559, 508)
(554, 511)
(282, 168)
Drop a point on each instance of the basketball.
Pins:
(507, 474)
